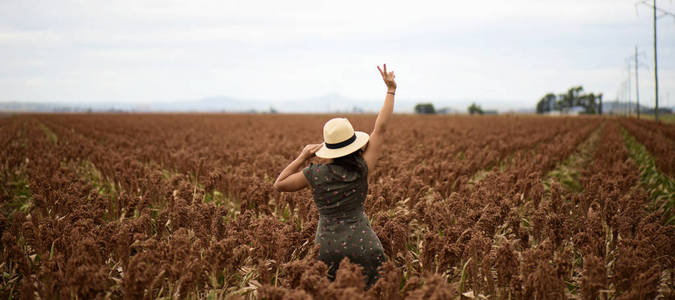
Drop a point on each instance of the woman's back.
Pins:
(344, 229)
(336, 189)
(340, 188)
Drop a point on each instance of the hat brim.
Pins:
(361, 140)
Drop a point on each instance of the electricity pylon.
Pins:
(656, 66)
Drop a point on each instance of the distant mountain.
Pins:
(618, 107)
(339, 103)
(322, 104)
(330, 103)
(209, 104)
(33, 107)
(64, 107)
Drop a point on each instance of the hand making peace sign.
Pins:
(388, 78)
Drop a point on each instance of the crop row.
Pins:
(659, 139)
(182, 205)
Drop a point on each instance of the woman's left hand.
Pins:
(309, 150)
(388, 78)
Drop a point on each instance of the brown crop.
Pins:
(659, 140)
(182, 205)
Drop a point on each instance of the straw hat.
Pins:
(340, 139)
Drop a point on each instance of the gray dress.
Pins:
(344, 229)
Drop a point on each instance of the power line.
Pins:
(652, 4)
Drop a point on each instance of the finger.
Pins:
(385, 68)
(378, 68)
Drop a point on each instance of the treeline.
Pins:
(575, 97)
(428, 109)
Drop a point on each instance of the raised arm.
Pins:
(291, 178)
(377, 137)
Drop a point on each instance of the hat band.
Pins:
(341, 144)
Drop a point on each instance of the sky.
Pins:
(500, 54)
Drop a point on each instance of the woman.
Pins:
(340, 188)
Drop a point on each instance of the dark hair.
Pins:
(350, 162)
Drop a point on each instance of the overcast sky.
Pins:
(503, 54)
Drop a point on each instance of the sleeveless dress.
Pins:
(344, 229)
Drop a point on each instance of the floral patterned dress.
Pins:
(344, 229)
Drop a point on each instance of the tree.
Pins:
(475, 109)
(570, 99)
(425, 108)
(591, 103)
(546, 103)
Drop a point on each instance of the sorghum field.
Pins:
(182, 206)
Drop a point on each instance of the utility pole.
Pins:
(656, 69)
(637, 88)
(633, 59)
(629, 91)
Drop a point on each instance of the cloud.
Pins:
(153, 51)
